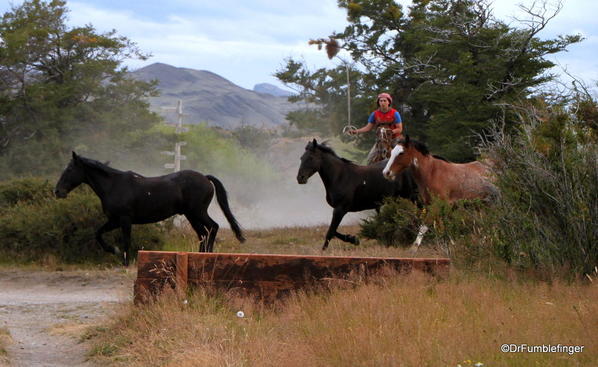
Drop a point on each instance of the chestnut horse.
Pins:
(436, 177)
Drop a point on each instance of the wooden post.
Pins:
(182, 272)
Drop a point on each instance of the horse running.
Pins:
(350, 187)
(436, 177)
(129, 198)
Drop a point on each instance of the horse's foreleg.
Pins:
(337, 217)
(107, 227)
(420, 236)
(125, 226)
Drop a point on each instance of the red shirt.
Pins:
(390, 118)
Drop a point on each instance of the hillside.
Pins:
(208, 97)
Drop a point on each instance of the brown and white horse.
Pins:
(436, 177)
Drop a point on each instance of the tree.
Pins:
(450, 65)
(62, 88)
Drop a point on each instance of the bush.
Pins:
(548, 177)
(399, 221)
(546, 218)
(23, 190)
(34, 226)
(396, 224)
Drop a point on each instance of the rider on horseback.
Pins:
(386, 118)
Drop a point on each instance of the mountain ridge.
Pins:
(209, 97)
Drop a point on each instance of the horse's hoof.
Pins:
(355, 241)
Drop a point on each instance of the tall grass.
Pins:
(402, 320)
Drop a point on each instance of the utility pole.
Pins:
(178, 157)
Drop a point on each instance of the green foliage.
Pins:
(24, 191)
(218, 152)
(254, 139)
(548, 176)
(397, 223)
(36, 227)
(325, 92)
(450, 66)
(546, 219)
(63, 88)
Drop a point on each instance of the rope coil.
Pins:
(348, 128)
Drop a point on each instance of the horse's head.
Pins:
(384, 138)
(310, 162)
(72, 177)
(401, 157)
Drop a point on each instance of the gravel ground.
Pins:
(46, 313)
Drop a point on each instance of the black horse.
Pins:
(350, 187)
(129, 198)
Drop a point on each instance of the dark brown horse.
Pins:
(350, 187)
(129, 198)
(436, 177)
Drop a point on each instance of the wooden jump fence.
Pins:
(262, 275)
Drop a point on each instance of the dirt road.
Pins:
(46, 313)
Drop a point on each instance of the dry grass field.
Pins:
(408, 320)
(293, 240)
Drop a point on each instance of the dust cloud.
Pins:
(287, 205)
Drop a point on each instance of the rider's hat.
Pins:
(384, 95)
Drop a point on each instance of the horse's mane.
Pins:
(423, 149)
(99, 166)
(420, 147)
(324, 147)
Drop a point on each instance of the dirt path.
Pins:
(46, 313)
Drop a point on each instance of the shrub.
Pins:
(546, 218)
(38, 226)
(399, 221)
(548, 212)
(24, 190)
(396, 224)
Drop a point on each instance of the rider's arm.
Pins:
(367, 127)
(398, 130)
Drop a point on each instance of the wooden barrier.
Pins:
(263, 275)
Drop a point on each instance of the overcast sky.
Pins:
(247, 41)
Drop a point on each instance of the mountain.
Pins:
(266, 88)
(208, 97)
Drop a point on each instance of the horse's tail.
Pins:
(222, 199)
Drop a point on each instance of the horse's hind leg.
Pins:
(107, 227)
(212, 230)
(125, 225)
(206, 229)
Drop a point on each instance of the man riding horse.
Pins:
(389, 127)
